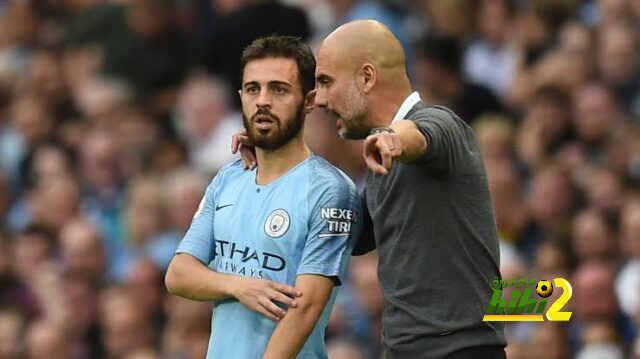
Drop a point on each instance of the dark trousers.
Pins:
(486, 352)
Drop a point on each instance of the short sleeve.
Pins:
(198, 240)
(445, 137)
(366, 241)
(334, 224)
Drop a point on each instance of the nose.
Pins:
(264, 99)
(321, 98)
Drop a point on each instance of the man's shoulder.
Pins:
(327, 181)
(323, 171)
(231, 170)
(421, 110)
(445, 116)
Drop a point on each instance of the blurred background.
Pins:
(115, 115)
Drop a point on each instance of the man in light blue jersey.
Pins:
(260, 238)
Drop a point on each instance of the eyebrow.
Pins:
(270, 83)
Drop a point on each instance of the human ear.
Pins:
(367, 77)
(309, 101)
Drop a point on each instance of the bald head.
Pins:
(362, 41)
(361, 77)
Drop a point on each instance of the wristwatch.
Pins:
(377, 130)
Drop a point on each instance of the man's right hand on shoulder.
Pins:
(240, 141)
(259, 295)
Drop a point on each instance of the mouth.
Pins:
(264, 122)
(332, 113)
(336, 117)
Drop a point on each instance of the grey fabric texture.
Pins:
(435, 231)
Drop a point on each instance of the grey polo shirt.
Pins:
(436, 235)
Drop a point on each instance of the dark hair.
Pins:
(41, 231)
(552, 94)
(288, 47)
(446, 51)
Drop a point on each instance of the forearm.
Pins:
(292, 332)
(187, 277)
(413, 143)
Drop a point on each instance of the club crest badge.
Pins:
(277, 223)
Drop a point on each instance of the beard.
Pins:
(356, 119)
(280, 134)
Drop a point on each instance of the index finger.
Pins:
(244, 140)
(240, 138)
(385, 154)
(370, 153)
(271, 308)
(372, 163)
(282, 298)
(370, 143)
(248, 157)
(288, 290)
(234, 143)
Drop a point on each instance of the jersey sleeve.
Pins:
(198, 241)
(334, 224)
(366, 241)
(446, 137)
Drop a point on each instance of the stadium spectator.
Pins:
(82, 250)
(140, 45)
(125, 325)
(206, 122)
(491, 59)
(45, 339)
(595, 300)
(593, 237)
(11, 327)
(545, 126)
(440, 79)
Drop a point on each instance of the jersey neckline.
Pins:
(254, 173)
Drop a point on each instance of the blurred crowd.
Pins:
(115, 115)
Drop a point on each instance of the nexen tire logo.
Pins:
(338, 219)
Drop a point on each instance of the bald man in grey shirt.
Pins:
(427, 195)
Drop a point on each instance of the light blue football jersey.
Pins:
(305, 222)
